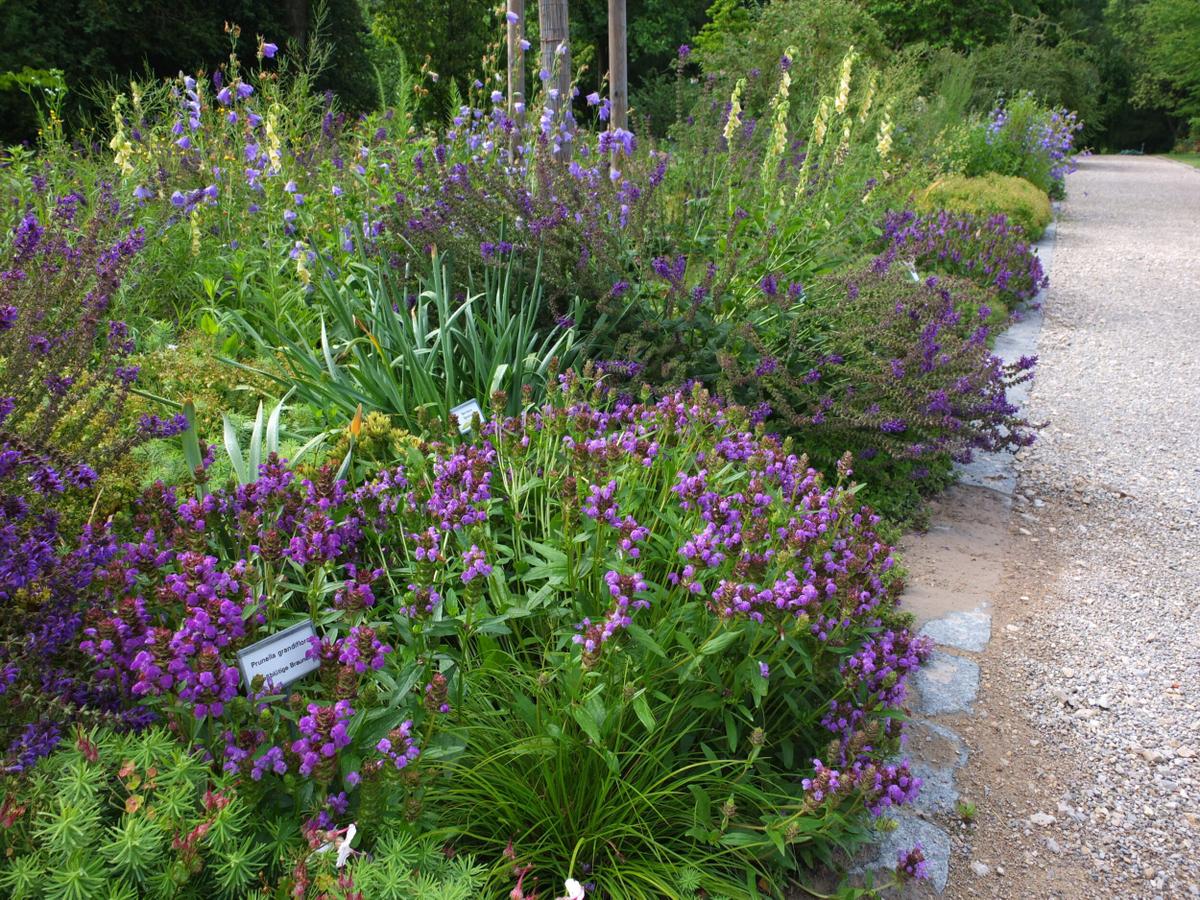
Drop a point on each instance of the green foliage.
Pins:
(183, 369)
(818, 31)
(728, 21)
(124, 816)
(141, 813)
(946, 23)
(576, 772)
(988, 195)
(413, 350)
(446, 39)
(1168, 37)
(96, 44)
(655, 29)
(1058, 69)
(1022, 138)
(402, 867)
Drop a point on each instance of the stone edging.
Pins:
(949, 683)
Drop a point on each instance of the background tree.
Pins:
(958, 24)
(448, 37)
(1167, 33)
(100, 43)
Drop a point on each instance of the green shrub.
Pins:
(1020, 201)
(894, 369)
(1021, 136)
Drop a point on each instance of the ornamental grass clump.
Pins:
(637, 644)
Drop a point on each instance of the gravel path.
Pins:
(1087, 773)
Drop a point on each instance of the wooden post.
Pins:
(516, 62)
(553, 24)
(618, 66)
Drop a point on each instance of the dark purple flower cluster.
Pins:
(216, 608)
(399, 746)
(912, 863)
(878, 786)
(876, 676)
(991, 252)
(322, 734)
(64, 382)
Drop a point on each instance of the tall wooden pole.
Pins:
(516, 61)
(618, 65)
(553, 24)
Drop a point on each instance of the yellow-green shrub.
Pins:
(986, 195)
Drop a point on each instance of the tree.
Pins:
(102, 43)
(1167, 55)
(958, 24)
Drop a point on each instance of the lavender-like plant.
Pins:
(64, 382)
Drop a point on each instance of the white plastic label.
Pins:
(464, 414)
(280, 659)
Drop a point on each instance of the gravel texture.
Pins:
(1092, 767)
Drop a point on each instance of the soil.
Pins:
(974, 555)
(956, 563)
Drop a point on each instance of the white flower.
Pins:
(820, 123)
(884, 145)
(735, 112)
(843, 95)
(865, 110)
(574, 890)
(344, 850)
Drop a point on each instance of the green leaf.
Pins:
(589, 725)
(731, 732)
(191, 444)
(233, 450)
(642, 708)
(256, 445)
(272, 436)
(720, 642)
(644, 639)
(702, 806)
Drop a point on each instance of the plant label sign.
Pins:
(464, 415)
(280, 659)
